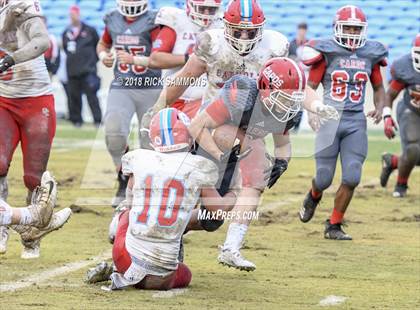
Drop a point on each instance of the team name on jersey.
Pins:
(226, 75)
(126, 39)
(353, 64)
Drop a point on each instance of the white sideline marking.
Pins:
(51, 273)
(169, 294)
(332, 300)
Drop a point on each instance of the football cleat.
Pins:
(31, 236)
(31, 250)
(43, 201)
(386, 168)
(100, 273)
(400, 190)
(4, 237)
(122, 187)
(335, 232)
(308, 208)
(234, 258)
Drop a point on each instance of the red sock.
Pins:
(315, 194)
(402, 180)
(394, 161)
(336, 217)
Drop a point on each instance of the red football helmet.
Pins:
(350, 27)
(203, 12)
(169, 131)
(244, 22)
(415, 53)
(132, 8)
(282, 85)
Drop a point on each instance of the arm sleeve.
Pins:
(376, 76)
(39, 40)
(397, 85)
(106, 37)
(165, 40)
(218, 112)
(317, 72)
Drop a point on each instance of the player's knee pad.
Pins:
(412, 152)
(116, 145)
(324, 178)
(209, 225)
(4, 188)
(352, 174)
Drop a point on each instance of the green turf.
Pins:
(296, 267)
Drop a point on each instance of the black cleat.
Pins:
(400, 190)
(334, 232)
(122, 187)
(386, 168)
(308, 208)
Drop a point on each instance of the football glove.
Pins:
(273, 173)
(6, 62)
(389, 127)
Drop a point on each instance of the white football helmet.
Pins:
(203, 12)
(132, 8)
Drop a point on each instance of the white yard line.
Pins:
(52, 273)
(171, 293)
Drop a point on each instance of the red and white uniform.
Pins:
(167, 187)
(27, 113)
(28, 79)
(179, 35)
(223, 62)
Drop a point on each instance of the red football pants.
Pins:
(122, 261)
(32, 122)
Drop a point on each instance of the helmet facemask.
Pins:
(202, 14)
(132, 8)
(3, 3)
(347, 40)
(283, 106)
(233, 34)
(415, 56)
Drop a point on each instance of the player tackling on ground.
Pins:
(405, 73)
(27, 113)
(164, 187)
(343, 65)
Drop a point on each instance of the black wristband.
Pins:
(186, 57)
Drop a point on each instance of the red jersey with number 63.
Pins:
(135, 38)
(346, 72)
(167, 187)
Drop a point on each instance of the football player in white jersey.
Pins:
(178, 35)
(164, 187)
(241, 48)
(27, 113)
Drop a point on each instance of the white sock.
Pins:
(235, 236)
(25, 216)
(5, 213)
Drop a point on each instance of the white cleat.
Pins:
(100, 273)
(4, 237)
(46, 179)
(233, 258)
(32, 236)
(32, 252)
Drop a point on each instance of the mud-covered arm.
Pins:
(38, 43)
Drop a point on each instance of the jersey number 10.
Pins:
(340, 80)
(168, 186)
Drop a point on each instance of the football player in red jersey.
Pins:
(27, 112)
(405, 73)
(268, 105)
(343, 64)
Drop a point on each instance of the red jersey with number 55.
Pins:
(136, 38)
(166, 189)
(30, 78)
(344, 73)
